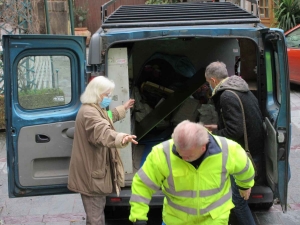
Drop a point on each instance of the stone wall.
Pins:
(58, 16)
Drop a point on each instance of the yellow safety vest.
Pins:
(190, 193)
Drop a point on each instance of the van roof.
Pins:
(180, 14)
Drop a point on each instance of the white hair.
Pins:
(95, 88)
(187, 135)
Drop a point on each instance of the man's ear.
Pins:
(215, 80)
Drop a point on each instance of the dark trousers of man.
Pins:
(241, 209)
(94, 209)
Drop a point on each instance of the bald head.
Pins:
(189, 135)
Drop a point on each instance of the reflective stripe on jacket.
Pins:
(191, 193)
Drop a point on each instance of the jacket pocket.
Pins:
(102, 181)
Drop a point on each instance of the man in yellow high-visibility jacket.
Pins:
(192, 169)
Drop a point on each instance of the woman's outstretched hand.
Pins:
(129, 138)
(129, 104)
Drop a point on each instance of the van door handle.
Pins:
(70, 132)
(41, 138)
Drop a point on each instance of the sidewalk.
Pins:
(68, 209)
(275, 216)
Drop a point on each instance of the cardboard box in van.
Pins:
(167, 46)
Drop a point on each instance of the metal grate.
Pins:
(15, 17)
(202, 13)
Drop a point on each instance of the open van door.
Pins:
(277, 114)
(44, 78)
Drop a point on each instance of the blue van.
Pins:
(156, 54)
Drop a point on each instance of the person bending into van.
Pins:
(230, 123)
(96, 169)
(192, 169)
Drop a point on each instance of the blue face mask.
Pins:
(105, 102)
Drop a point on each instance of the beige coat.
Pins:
(94, 168)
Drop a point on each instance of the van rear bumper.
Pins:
(124, 197)
(259, 194)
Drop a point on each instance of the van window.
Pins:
(44, 81)
(293, 39)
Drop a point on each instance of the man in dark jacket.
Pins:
(230, 123)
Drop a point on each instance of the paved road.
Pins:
(68, 209)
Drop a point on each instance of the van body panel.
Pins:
(113, 35)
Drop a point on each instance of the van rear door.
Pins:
(44, 77)
(274, 73)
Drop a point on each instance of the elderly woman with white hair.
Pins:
(96, 169)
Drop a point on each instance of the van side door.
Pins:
(274, 69)
(44, 78)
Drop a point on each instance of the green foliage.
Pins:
(81, 14)
(157, 2)
(40, 98)
(287, 13)
(41, 91)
